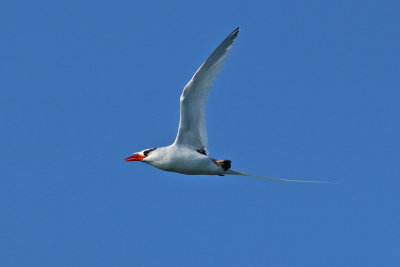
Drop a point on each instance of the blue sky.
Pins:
(310, 91)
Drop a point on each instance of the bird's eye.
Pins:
(148, 151)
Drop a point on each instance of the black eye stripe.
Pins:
(148, 151)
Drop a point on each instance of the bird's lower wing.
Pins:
(232, 172)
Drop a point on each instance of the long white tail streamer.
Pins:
(277, 179)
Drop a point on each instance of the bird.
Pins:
(188, 154)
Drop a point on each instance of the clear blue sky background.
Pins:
(310, 90)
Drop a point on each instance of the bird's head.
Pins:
(144, 155)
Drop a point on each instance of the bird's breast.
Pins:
(188, 163)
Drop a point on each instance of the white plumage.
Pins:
(188, 154)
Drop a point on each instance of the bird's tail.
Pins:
(232, 172)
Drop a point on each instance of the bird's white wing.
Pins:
(192, 130)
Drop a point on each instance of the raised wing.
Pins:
(192, 130)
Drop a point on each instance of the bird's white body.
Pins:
(181, 159)
(188, 154)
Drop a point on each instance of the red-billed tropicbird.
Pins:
(188, 154)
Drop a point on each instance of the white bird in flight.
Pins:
(188, 154)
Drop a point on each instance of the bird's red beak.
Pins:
(135, 157)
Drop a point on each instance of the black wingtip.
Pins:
(235, 32)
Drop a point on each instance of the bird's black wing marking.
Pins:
(202, 151)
